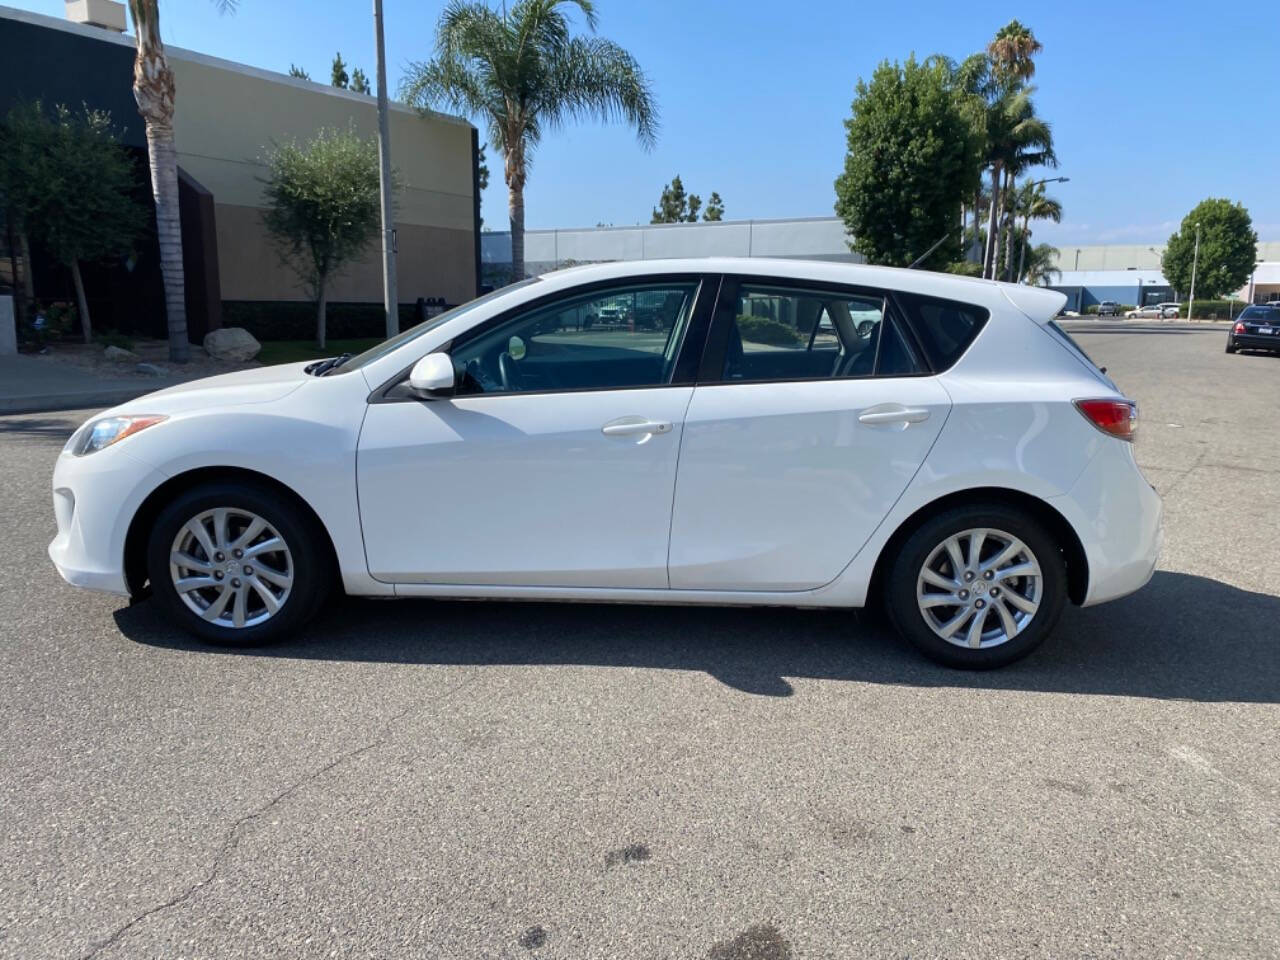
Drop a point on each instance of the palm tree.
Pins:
(1033, 203)
(1041, 266)
(153, 89)
(523, 73)
(1012, 51)
(1017, 139)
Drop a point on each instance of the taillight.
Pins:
(1117, 418)
(1239, 328)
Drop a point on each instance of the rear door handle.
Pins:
(634, 426)
(893, 413)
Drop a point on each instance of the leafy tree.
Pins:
(1012, 51)
(675, 206)
(21, 155)
(482, 176)
(82, 204)
(322, 207)
(338, 72)
(1228, 249)
(298, 72)
(909, 164)
(359, 82)
(154, 91)
(715, 208)
(522, 72)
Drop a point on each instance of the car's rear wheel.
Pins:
(237, 564)
(977, 587)
(1231, 347)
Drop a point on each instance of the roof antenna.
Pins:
(925, 256)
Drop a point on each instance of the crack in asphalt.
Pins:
(236, 831)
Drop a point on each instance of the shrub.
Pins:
(113, 339)
(766, 330)
(296, 319)
(964, 268)
(1214, 309)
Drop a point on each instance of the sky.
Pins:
(1153, 106)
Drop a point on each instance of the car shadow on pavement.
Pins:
(1181, 637)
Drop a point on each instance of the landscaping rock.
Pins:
(150, 369)
(120, 355)
(232, 344)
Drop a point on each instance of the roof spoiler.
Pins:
(1038, 303)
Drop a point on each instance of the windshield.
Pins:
(400, 339)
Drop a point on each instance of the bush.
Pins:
(964, 268)
(766, 330)
(48, 323)
(1214, 309)
(113, 339)
(296, 319)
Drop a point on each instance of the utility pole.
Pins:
(1195, 259)
(389, 298)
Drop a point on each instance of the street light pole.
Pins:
(1195, 260)
(1022, 257)
(389, 297)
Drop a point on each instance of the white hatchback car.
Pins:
(781, 432)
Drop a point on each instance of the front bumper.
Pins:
(1120, 520)
(94, 500)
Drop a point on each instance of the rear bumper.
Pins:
(1255, 341)
(1120, 520)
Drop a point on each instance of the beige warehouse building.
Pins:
(227, 117)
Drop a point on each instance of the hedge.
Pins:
(1214, 309)
(768, 331)
(296, 319)
(1092, 309)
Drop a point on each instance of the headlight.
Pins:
(103, 433)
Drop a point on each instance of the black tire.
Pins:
(1231, 347)
(308, 549)
(904, 571)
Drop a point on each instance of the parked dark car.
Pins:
(1257, 328)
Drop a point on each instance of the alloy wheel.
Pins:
(231, 567)
(979, 588)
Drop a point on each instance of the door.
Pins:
(813, 412)
(554, 465)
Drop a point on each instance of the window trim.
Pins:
(711, 370)
(691, 347)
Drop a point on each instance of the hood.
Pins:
(257, 385)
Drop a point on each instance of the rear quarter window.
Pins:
(945, 327)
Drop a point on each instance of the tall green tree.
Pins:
(154, 91)
(338, 72)
(676, 206)
(22, 154)
(1041, 266)
(523, 72)
(359, 82)
(1228, 249)
(83, 182)
(298, 73)
(323, 207)
(909, 165)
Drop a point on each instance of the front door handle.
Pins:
(893, 413)
(634, 426)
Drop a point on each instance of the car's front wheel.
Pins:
(977, 587)
(237, 564)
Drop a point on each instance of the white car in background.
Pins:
(801, 434)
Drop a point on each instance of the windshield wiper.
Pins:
(321, 367)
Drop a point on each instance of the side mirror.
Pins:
(433, 376)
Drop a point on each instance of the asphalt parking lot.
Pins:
(419, 779)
